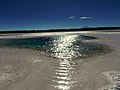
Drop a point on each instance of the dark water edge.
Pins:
(72, 46)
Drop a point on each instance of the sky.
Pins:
(54, 14)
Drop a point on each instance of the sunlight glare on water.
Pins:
(63, 47)
(63, 50)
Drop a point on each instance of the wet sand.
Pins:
(26, 69)
(23, 69)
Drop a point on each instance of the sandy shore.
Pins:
(25, 69)
(99, 73)
(29, 35)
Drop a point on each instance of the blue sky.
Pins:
(48, 14)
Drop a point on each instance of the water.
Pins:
(66, 49)
(67, 46)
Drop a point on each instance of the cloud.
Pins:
(83, 18)
(71, 17)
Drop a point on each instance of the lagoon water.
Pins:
(72, 61)
(61, 47)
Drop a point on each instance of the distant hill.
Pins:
(64, 30)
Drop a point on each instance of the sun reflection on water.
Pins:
(63, 50)
(63, 47)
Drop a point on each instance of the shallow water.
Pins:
(66, 46)
(68, 52)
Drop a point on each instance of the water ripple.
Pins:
(64, 51)
(63, 76)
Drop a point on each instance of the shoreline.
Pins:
(30, 35)
(65, 30)
(27, 69)
(18, 64)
